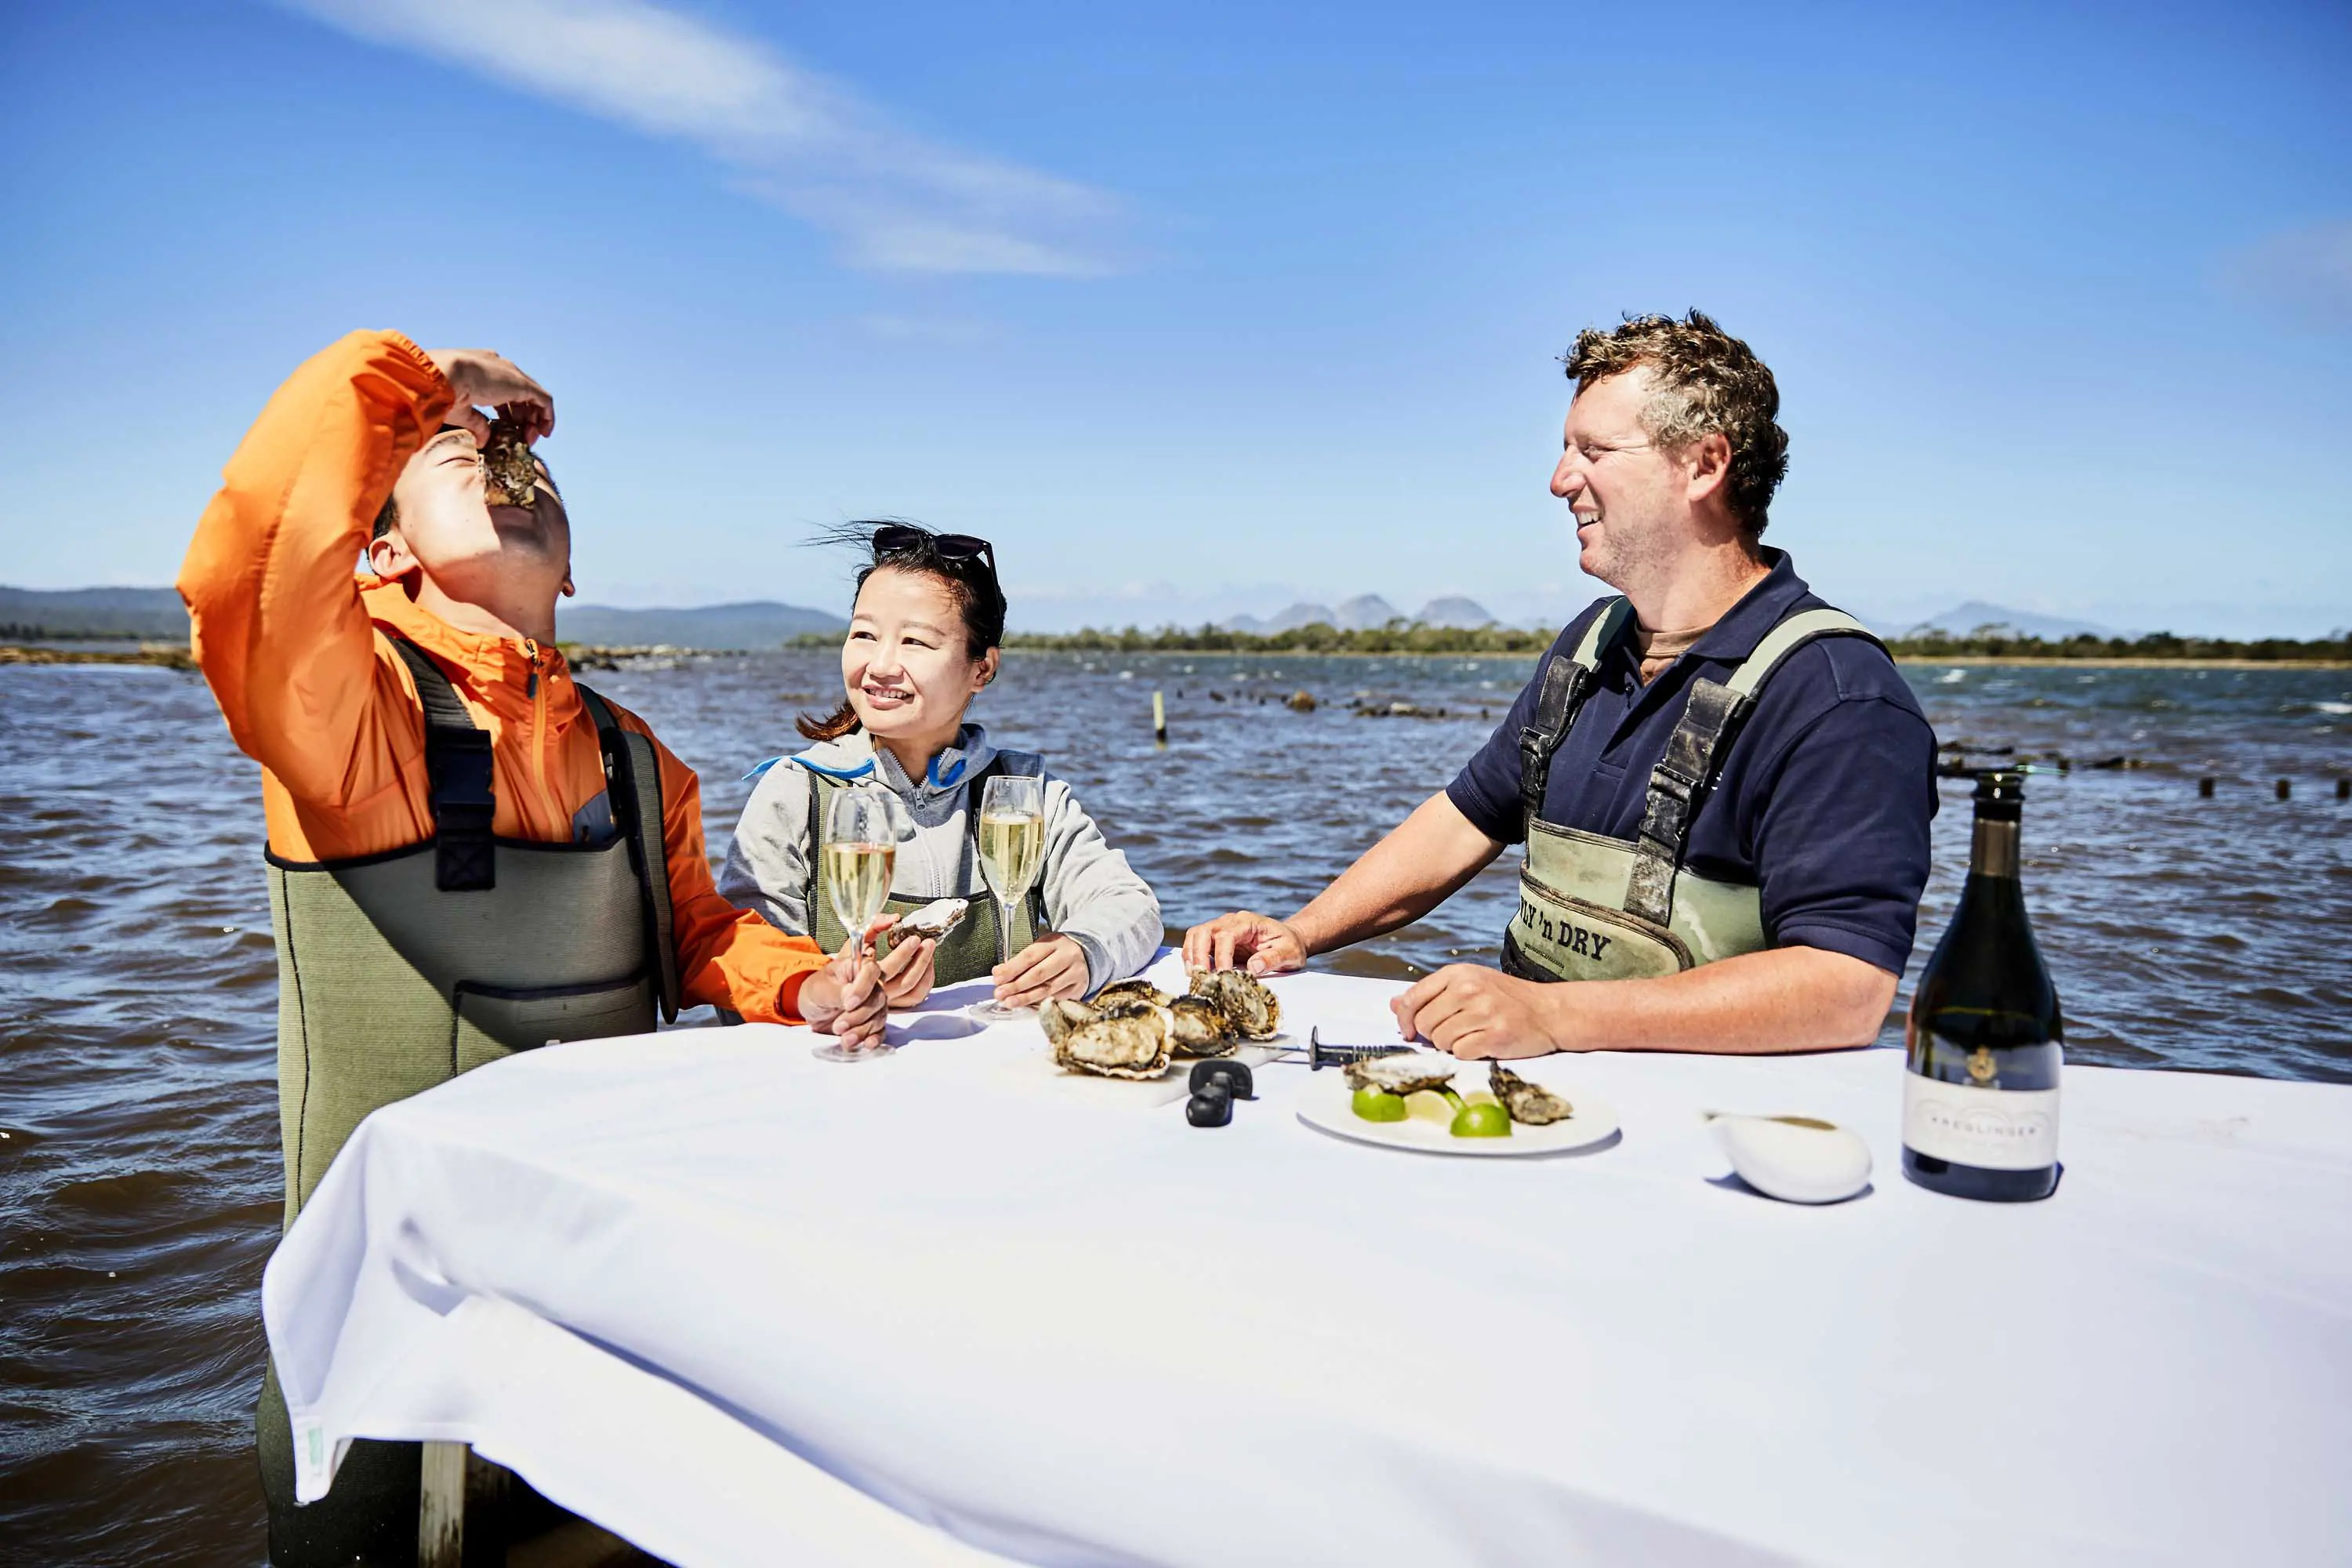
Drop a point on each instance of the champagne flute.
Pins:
(1011, 852)
(861, 851)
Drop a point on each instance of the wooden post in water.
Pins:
(441, 1507)
(2285, 789)
(1158, 720)
(2344, 789)
(2205, 789)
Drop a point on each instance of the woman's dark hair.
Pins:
(969, 581)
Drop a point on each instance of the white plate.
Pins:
(1327, 1107)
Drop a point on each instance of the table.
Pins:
(742, 1306)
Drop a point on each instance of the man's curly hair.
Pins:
(1707, 383)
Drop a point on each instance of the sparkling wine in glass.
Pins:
(1011, 852)
(860, 852)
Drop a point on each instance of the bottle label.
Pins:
(1991, 1129)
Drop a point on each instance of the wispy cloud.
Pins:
(811, 145)
(2304, 276)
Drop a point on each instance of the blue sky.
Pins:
(1198, 308)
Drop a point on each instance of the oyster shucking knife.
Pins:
(1321, 1055)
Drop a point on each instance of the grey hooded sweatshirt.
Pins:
(1091, 894)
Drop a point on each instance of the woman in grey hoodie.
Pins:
(922, 643)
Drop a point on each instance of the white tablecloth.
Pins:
(745, 1307)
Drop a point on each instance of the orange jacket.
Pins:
(293, 645)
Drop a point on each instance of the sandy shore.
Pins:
(169, 656)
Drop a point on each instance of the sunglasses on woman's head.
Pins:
(896, 539)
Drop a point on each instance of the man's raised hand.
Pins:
(482, 379)
(1244, 940)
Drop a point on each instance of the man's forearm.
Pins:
(1415, 869)
(274, 606)
(1787, 999)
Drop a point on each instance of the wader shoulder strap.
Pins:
(1684, 774)
(823, 929)
(457, 779)
(1567, 682)
(633, 784)
(1787, 638)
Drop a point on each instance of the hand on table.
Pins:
(1053, 965)
(1479, 1014)
(482, 379)
(1244, 940)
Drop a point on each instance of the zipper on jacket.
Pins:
(538, 722)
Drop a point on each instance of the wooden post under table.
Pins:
(456, 1481)
(441, 1507)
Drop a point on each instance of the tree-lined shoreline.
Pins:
(1983, 648)
(2160, 650)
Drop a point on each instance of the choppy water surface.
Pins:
(138, 1164)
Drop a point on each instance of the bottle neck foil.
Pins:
(1993, 850)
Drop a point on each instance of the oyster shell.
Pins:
(1200, 1028)
(934, 919)
(509, 476)
(1531, 1104)
(1059, 1016)
(1121, 1042)
(1121, 993)
(1255, 1012)
(1402, 1074)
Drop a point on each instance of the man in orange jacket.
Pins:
(443, 800)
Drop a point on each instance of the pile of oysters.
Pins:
(1133, 1030)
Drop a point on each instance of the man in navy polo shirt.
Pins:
(1724, 785)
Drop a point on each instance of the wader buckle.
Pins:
(465, 854)
(1557, 700)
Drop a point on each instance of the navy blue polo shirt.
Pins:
(1821, 800)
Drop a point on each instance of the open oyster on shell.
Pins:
(934, 920)
(1531, 1104)
(1253, 1011)
(1059, 1016)
(1121, 992)
(1131, 1040)
(1201, 1029)
(510, 476)
(1402, 1074)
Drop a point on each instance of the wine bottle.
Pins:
(1984, 1041)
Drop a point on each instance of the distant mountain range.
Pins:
(156, 614)
(1967, 619)
(144, 613)
(1366, 611)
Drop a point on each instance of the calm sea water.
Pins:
(139, 1163)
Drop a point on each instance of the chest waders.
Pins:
(398, 971)
(967, 953)
(1593, 907)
